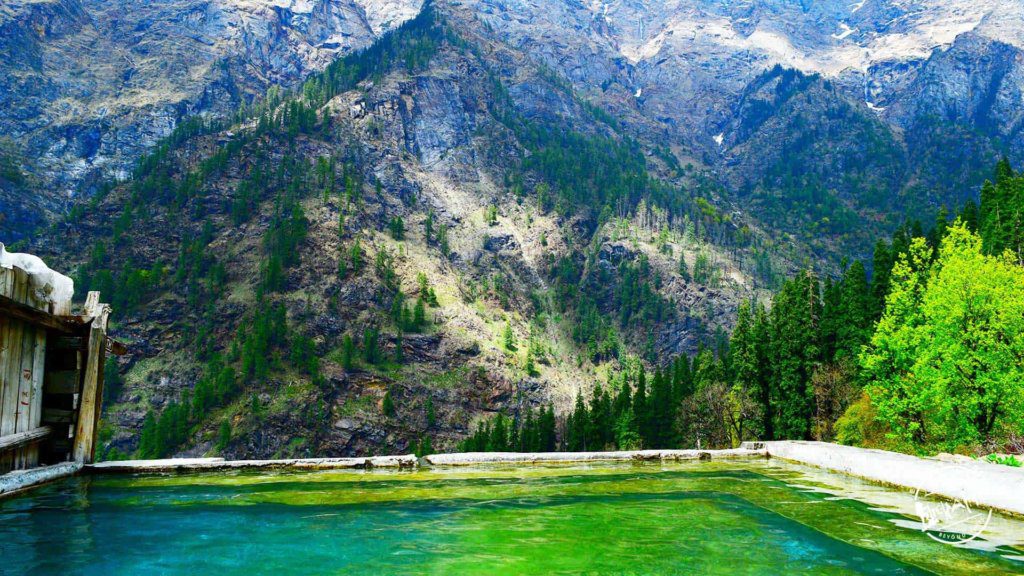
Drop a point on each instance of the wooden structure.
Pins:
(51, 374)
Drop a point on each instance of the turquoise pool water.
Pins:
(700, 518)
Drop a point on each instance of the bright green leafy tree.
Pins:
(945, 365)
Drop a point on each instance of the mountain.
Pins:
(432, 224)
(490, 207)
(929, 90)
(88, 86)
(91, 85)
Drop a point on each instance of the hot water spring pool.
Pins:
(744, 517)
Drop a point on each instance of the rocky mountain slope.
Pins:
(93, 84)
(428, 233)
(87, 86)
(931, 90)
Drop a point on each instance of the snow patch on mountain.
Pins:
(898, 30)
(845, 32)
(383, 15)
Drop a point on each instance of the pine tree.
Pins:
(419, 314)
(371, 346)
(388, 405)
(684, 270)
(882, 266)
(528, 437)
(356, 257)
(514, 439)
(623, 401)
(662, 413)
(149, 442)
(600, 427)
(425, 447)
(831, 316)
(969, 216)
(855, 319)
(431, 415)
(498, 438)
(224, 435)
(396, 226)
(442, 239)
(641, 414)
(348, 353)
(761, 382)
(796, 312)
(112, 381)
(546, 426)
(576, 427)
(508, 338)
(428, 227)
(399, 353)
(682, 379)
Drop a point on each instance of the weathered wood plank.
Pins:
(12, 308)
(20, 288)
(6, 332)
(11, 377)
(61, 382)
(5, 281)
(23, 406)
(18, 481)
(24, 438)
(12, 373)
(90, 399)
(36, 408)
(116, 348)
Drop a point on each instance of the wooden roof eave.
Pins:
(24, 312)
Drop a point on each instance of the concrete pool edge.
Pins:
(408, 461)
(976, 483)
(478, 458)
(214, 464)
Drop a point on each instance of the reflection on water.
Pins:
(711, 518)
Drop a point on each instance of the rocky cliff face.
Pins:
(905, 80)
(87, 86)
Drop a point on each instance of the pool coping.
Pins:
(201, 464)
(965, 482)
(478, 458)
(970, 482)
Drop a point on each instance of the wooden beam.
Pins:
(91, 396)
(24, 312)
(24, 438)
(116, 348)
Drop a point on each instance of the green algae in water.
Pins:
(705, 518)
